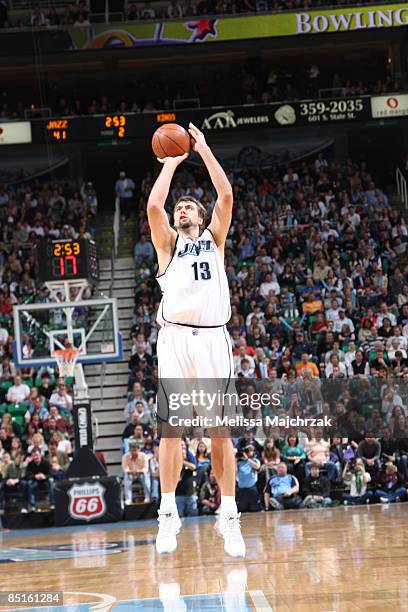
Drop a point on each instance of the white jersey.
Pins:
(194, 285)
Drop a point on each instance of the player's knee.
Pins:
(222, 442)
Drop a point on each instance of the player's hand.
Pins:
(172, 161)
(197, 137)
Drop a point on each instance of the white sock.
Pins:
(168, 500)
(228, 504)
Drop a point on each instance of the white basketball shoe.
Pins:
(228, 526)
(169, 527)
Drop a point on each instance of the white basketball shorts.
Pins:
(197, 363)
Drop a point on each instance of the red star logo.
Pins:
(202, 28)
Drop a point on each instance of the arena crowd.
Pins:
(83, 13)
(317, 266)
(36, 426)
(272, 84)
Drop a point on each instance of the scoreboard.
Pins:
(123, 128)
(80, 129)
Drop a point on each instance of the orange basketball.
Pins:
(170, 140)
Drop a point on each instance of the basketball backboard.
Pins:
(90, 325)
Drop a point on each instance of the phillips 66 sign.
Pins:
(87, 501)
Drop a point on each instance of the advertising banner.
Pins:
(122, 129)
(322, 21)
(395, 105)
(145, 34)
(87, 500)
(16, 132)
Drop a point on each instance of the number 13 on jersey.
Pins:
(202, 271)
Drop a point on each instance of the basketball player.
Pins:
(193, 342)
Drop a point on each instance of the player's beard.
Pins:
(185, 224)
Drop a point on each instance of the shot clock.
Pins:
(65, 260)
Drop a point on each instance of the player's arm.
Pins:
(222, 214)
(163, 236)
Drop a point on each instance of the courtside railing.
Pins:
(113, 257)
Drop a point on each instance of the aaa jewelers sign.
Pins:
(222, 120)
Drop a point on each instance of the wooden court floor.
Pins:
(343, 560)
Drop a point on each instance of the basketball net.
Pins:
(66, 359)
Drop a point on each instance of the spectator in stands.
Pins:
(282, 491)
(13, 481)
(61, 424)
(305, 363)
(248, 466)
(88, 194)
(132, 13)
(36, 405)
(316, 488)
(9, 427)
(147, 12)
(137, 392)
(38, 18)
(38, 442)
(45, 389)
(154, 470)
(174, 10)
(63, 443)
(402, 461)
(61, 457)
(38, 478)
(144, 253)
(18, 392)
(318, 452)
(271, 457)
(359, 366)
(144, 413)
(390, 485)
(130, 427)
(135, 465)
(138, 437)
(124, 190)
(81, 21)
(61, 398)
(210, 496)
(369, 450)
(356, 477)
(6, 459)
(203, 462)
(56, 472)
(388, 446)
(293, 454)
(341, 450)
(186, 499)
